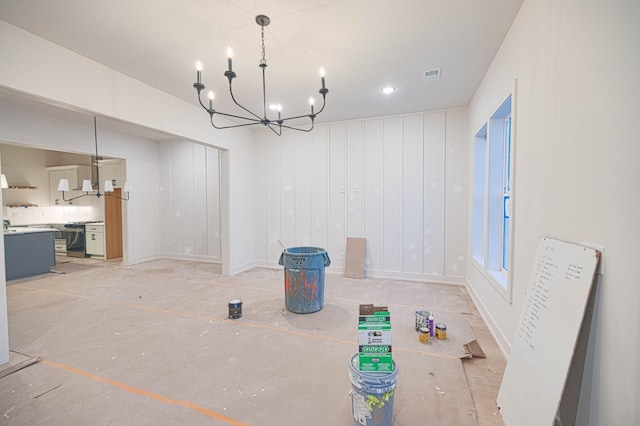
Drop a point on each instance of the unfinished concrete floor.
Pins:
(151, 345)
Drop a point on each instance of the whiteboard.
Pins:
(545, 340)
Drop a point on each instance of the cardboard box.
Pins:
(374, 339)
(374, 329)
(370, 309)
(375, 358)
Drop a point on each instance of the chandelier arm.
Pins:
(311, 116)
(74, 198)
(212, 112)
(277, 132)
(201, 104)
(106, 194)
(253, 123)
(324, 101)
(295, 117)
(298, 128)
(236, 102)
(253, 120)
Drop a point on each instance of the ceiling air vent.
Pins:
(433, 74)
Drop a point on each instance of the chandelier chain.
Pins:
(263, 60)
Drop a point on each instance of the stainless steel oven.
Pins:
(74, 234)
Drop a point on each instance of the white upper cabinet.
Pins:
(75, 174)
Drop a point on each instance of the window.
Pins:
(492, 188)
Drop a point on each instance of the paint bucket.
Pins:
(423, 335)
(372, 395)
(235, 308)
(441, 331)
(422, 317)
(304, 278)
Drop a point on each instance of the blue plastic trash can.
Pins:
(304, 278)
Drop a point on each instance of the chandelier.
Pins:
(87, 188)
(276, 125)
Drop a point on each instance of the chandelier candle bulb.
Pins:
(211, 96)
(198, 71)
(322, 74)
(229, 57)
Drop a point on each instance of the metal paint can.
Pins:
(441, 331)
(423, 335)
(235, 308)
(422, 319)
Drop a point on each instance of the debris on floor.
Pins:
(17, 363)
(472, 349)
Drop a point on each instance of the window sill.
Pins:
(497, 279)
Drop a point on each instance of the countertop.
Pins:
(24, 230)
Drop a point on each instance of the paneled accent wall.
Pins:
(190, 200)
(399, 181)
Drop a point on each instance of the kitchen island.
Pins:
(28, 251)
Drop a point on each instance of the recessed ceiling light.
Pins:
(387, 90)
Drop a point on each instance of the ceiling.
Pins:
(363, 45)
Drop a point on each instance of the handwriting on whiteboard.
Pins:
(546, 273)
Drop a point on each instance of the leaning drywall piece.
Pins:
(354, 257)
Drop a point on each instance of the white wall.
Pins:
(190, 200)
(399, 181)
(576, 176)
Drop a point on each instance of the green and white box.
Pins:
(374, 329)
(375, 358)
(374, 339)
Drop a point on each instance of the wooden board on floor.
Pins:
(354, 257)
(17, 362)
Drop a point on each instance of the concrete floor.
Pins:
(151, 344)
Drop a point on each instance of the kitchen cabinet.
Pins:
(61, 245)
(94, 240)
(113, 224)
(28, 252)
(111, 170)
(75, 174)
